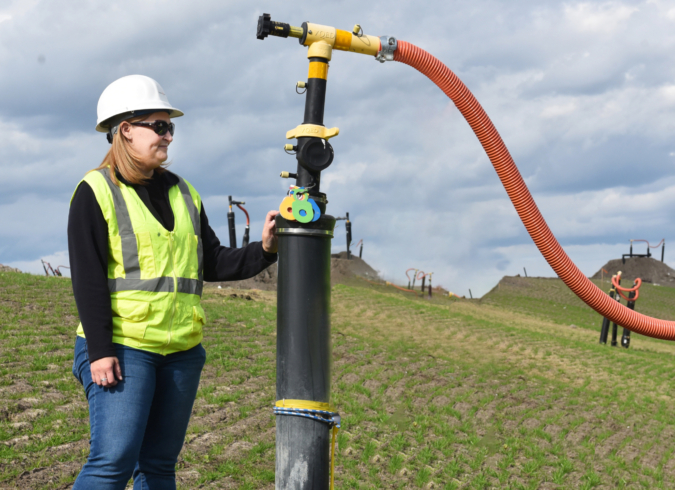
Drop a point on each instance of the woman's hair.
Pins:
(122, 158)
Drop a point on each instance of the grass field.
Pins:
(498, 393)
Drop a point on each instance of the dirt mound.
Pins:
(266, 280)
(6, 268)
(646, 268)
(342, 271)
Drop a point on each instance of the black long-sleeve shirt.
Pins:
(88, 250)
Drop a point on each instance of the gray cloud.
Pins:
(583, 94)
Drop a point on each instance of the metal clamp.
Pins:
(312, 130)
(388, 46)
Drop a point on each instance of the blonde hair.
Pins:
(122, 158)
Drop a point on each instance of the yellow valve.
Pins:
(357, 30)
(312, 131)
(288, 147)
(301, 85)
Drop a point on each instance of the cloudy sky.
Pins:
(583, 94)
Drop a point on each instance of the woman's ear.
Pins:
(125, 130)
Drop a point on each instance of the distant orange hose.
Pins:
(522, 200)
(387, 283)
(248, 221)
(638, 283)
(420, 276)
(650, 246)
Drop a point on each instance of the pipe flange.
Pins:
(388, 45)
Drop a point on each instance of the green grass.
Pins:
(500, 393)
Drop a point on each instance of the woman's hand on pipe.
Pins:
(269, 234)
(106, 371)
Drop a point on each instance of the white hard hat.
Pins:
(131, 96)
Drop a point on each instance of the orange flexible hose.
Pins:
(619, 289)
(248, 220)
(522, 200)
(650, 246)
(419, 277)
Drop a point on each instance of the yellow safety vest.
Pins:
(155, 276)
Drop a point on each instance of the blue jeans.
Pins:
(138, 427)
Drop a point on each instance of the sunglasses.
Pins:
(159, 127)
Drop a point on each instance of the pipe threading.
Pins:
(522, 200)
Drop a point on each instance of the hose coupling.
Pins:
(388, 45)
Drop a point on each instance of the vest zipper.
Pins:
(175, 287)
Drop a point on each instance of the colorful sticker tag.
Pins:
(298, 206)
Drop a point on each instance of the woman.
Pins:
(140, 248)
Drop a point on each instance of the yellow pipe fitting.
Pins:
(320, 49)
(312, 131)
(318, 33)
(340, 40)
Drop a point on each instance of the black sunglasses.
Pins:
(159, 127)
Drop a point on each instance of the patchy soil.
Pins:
(648, 269)
(433, 394)
(6, 268)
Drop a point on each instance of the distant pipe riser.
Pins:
(361, 256)
(233, 232)
(244, 241)
(663, 250)
(625, 337)
(348, 227)
(422, 288)
(604, 331)
(614, 334)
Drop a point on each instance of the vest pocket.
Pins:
(198, 318)
(132, 316)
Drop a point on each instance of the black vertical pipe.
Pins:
(303, 328)
(230, 225)
(422, 288)
(631, 249)
(615, 327)
(244, 241)
(663, 249)
(303, 351)
(361, 253)
(604, 331)
(348, 228)
(470, 295)
(525, 271)
(625, 337)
